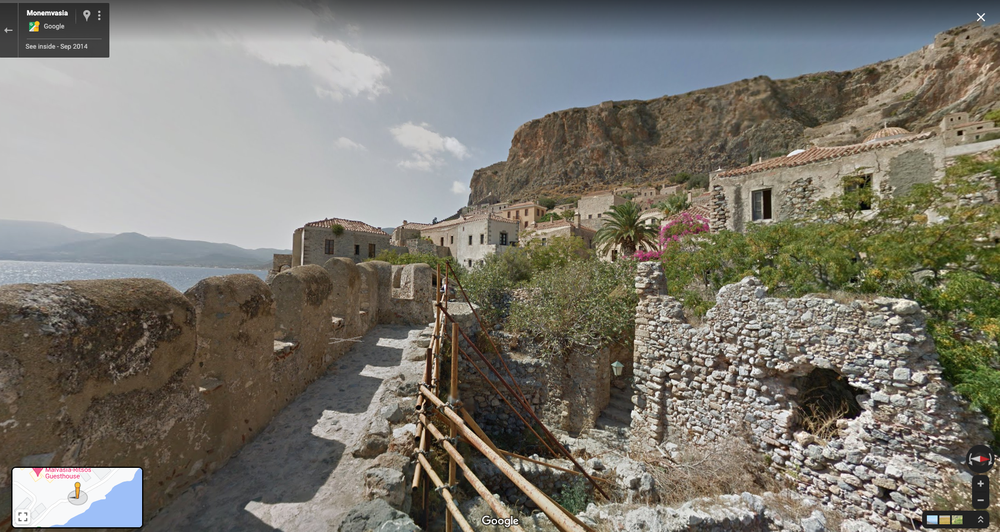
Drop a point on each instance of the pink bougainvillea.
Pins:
(682, 225)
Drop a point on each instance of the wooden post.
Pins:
(453, 399)
(428, 363)
(446, 495)
(556, 513)
(501, 511)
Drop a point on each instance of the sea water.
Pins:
(180, 277)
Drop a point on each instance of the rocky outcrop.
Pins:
(635, 141)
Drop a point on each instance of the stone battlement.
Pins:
(131, 372)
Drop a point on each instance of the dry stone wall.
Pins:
(567, 391)
(764, 367)
(131, 372)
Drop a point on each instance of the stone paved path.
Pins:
(299, 475)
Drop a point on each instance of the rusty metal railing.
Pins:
(461, 424)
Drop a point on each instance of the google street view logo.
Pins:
(33, 26)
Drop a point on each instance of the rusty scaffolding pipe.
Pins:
(445, 494)
(427, 377)
(453, 400)
(477, 484)
(488, 337)
(528, 409)
(557, 514)
(504, 399)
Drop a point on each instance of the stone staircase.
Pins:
(617, 417)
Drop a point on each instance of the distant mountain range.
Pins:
(43, 241)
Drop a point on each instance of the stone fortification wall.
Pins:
(758, 365)
(131, 372)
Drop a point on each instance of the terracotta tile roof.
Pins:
(552, 225)
(415, 225)
(472, 218)
(350, 225)
(816, 154)
(694, 210)
(522, 204)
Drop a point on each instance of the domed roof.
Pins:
(886, 132)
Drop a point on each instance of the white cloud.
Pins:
(458, 188)
(345, 143)
(428, 146)
(338, 70)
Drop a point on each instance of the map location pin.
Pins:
(86, 14)
(77, 490)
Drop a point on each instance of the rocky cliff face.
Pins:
(637, 141)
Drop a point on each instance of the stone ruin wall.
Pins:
(131, 372)
(736, 374)
(568, 393)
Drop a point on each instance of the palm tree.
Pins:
(623, 230)
(674, 204)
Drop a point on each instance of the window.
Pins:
(503, 238)
(470, 240)
(526, 223)
(328, 248)
(761, 200)
(371, 251)
(861, 187)
(482, 238)
(357, 249)
(442, 241)
(525, 212)
(598, 215)
(451, 239)
(470, 263)
(590, 216)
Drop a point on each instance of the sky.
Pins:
(238, 122)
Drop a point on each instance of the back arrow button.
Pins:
(7, 30)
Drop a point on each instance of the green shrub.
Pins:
(574, 495)
(589, 302)
(993, 115)
(490, 284)
(393, 257)
(555, 252)
(337, 229)
(546, 202)
(698, 181)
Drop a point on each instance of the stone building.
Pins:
(592, 208)
(957, 129)
(471, 238)
(846, 400)
(545, 231)
(888, 161)
(316, 242)
(526, 213)
(407, 231)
